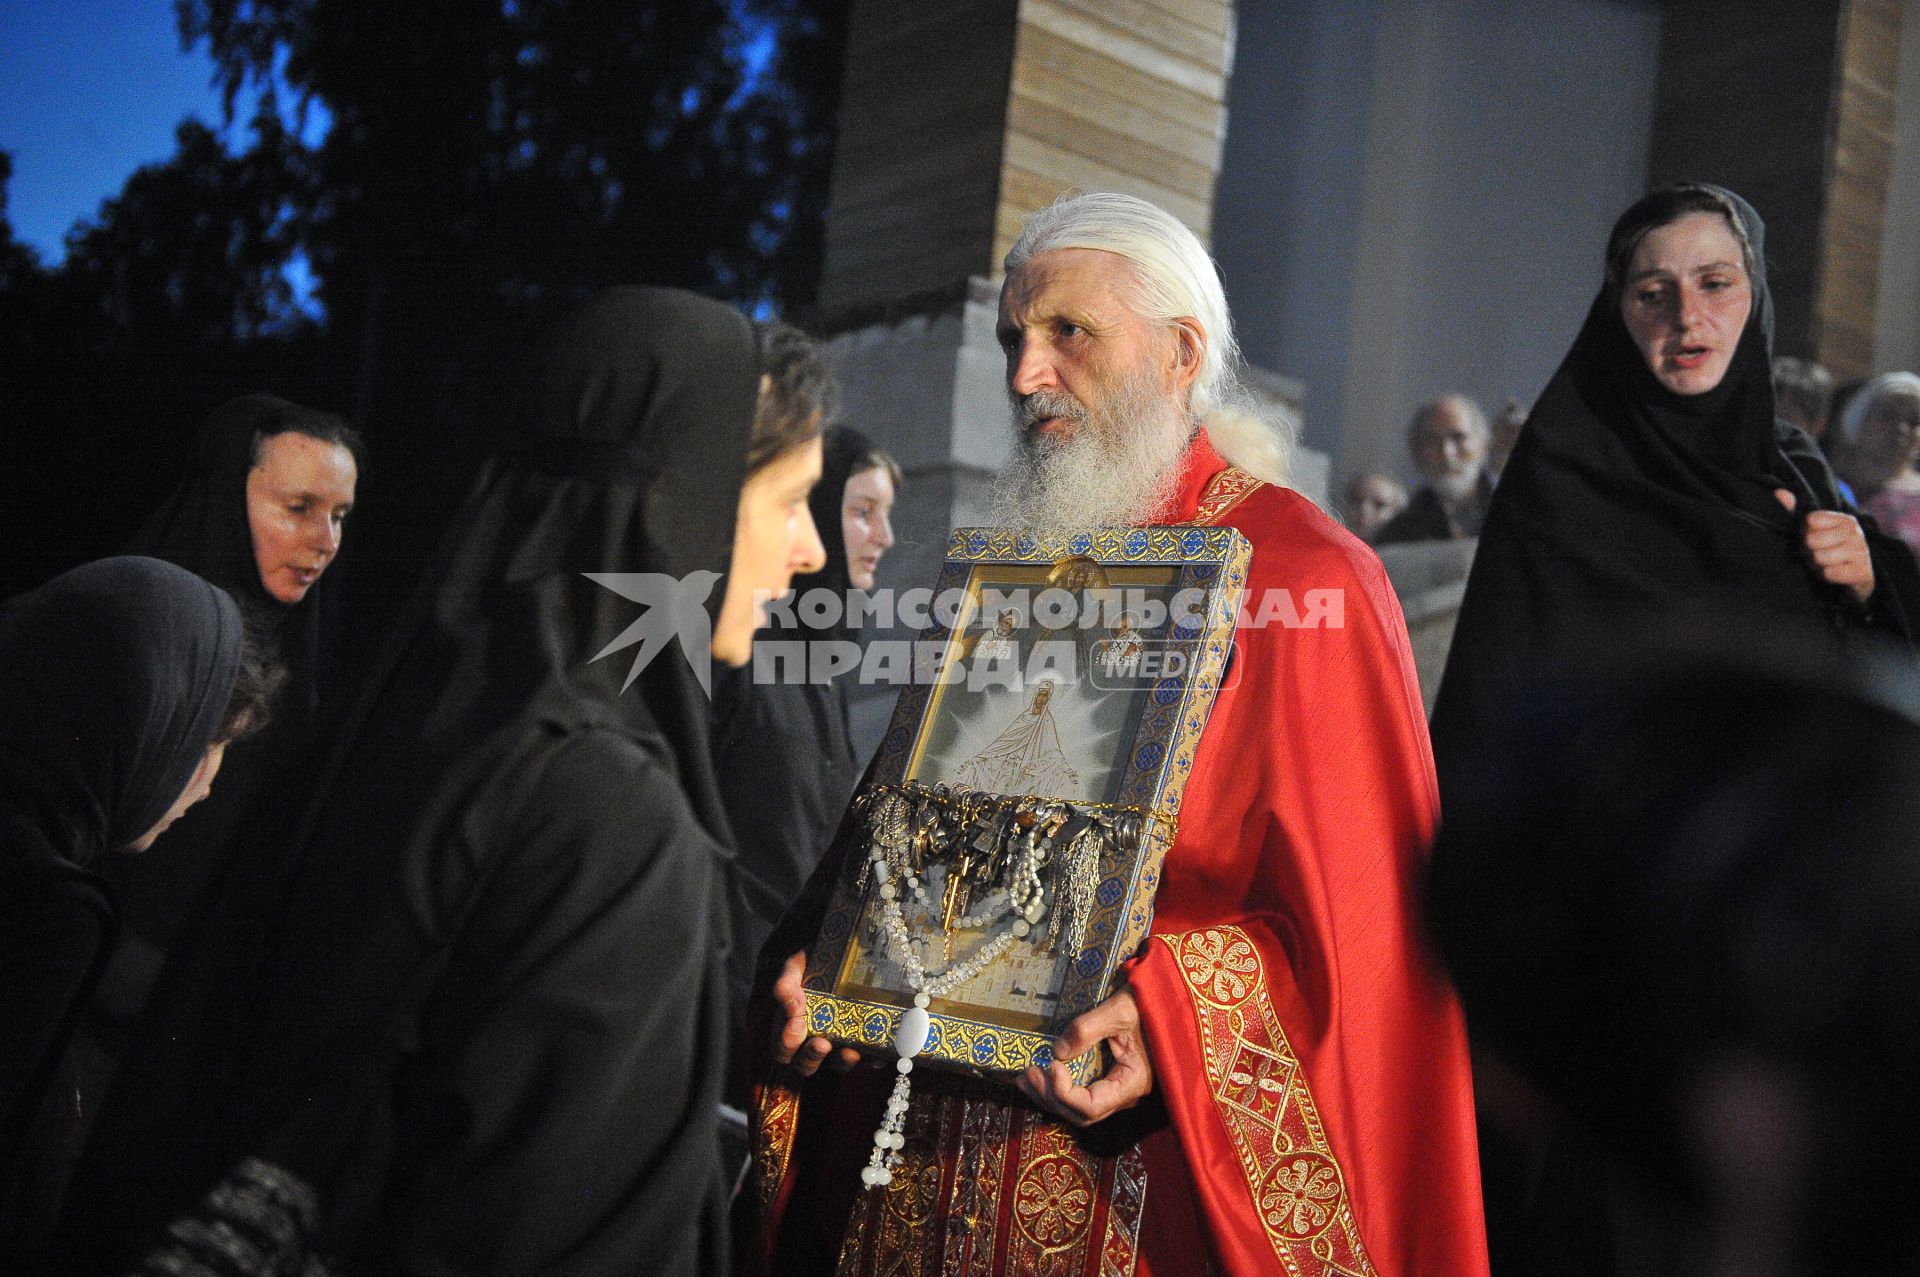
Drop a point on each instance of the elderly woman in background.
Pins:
(1880, 432)
(1653, 485)
(1370, 502)
(121, 683)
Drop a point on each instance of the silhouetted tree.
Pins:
(488, 164)
(194, 251)
(18, 262)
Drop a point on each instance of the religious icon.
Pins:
(1118, 655)
(999, 645)
(1026, 758)
(1000, 858)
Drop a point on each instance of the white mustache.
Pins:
(1041, 404)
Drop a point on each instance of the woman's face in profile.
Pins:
(773, 538)
(1685, 301)
(199, 785)
(299, 494)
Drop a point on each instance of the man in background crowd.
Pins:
(1449, 438)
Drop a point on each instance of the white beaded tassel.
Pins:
(908, 1041)
(1027, 907)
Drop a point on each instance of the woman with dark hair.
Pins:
(1653, 484)
(121, 683)
(784, 747)
(485, 1034)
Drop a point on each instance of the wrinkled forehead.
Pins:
(1444, 421)
(1068, 281)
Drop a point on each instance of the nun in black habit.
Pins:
(115, 682)
(1625, 502)
(487, 1037)
(1645, 497)
(205, 526)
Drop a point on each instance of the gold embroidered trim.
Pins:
(1225, 491)
(987, 1188)
(779, 1121)
(1261, 1095)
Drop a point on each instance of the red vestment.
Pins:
(1310, 1056)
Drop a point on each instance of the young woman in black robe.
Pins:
(116, 699)
(1627, 502)
(1652, 491)
(485, 1035)
(784, 748)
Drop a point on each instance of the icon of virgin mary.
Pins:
(1025, 758)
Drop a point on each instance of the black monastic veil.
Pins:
(203, 526)
(114, 678)
(1624, 503)
(487, 1021)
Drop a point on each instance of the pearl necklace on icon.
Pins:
(1032, 864)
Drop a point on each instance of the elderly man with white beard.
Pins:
(1449, 438)
(1287, 1087)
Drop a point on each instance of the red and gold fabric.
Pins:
(1310, 1058)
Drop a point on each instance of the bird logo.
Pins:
(675, 606)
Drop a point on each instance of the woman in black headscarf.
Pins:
(487, 1037)
(1652, 479)
(117, 698)
(1651, 487)
(261, 513)
(784, 747)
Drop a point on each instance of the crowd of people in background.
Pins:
(1868, 429)
(450, 967)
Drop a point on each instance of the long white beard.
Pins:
(1455, 488)
(1119, 468)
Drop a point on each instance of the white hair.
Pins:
(1472, 416)
(1173, 279)
(1887, 385)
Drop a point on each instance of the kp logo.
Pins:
(675, 606)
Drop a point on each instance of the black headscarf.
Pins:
(116, 675)
(114, 678)
(634, 437)
(203, 527)
(1623, 501)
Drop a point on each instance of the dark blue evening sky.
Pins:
(89, 91)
